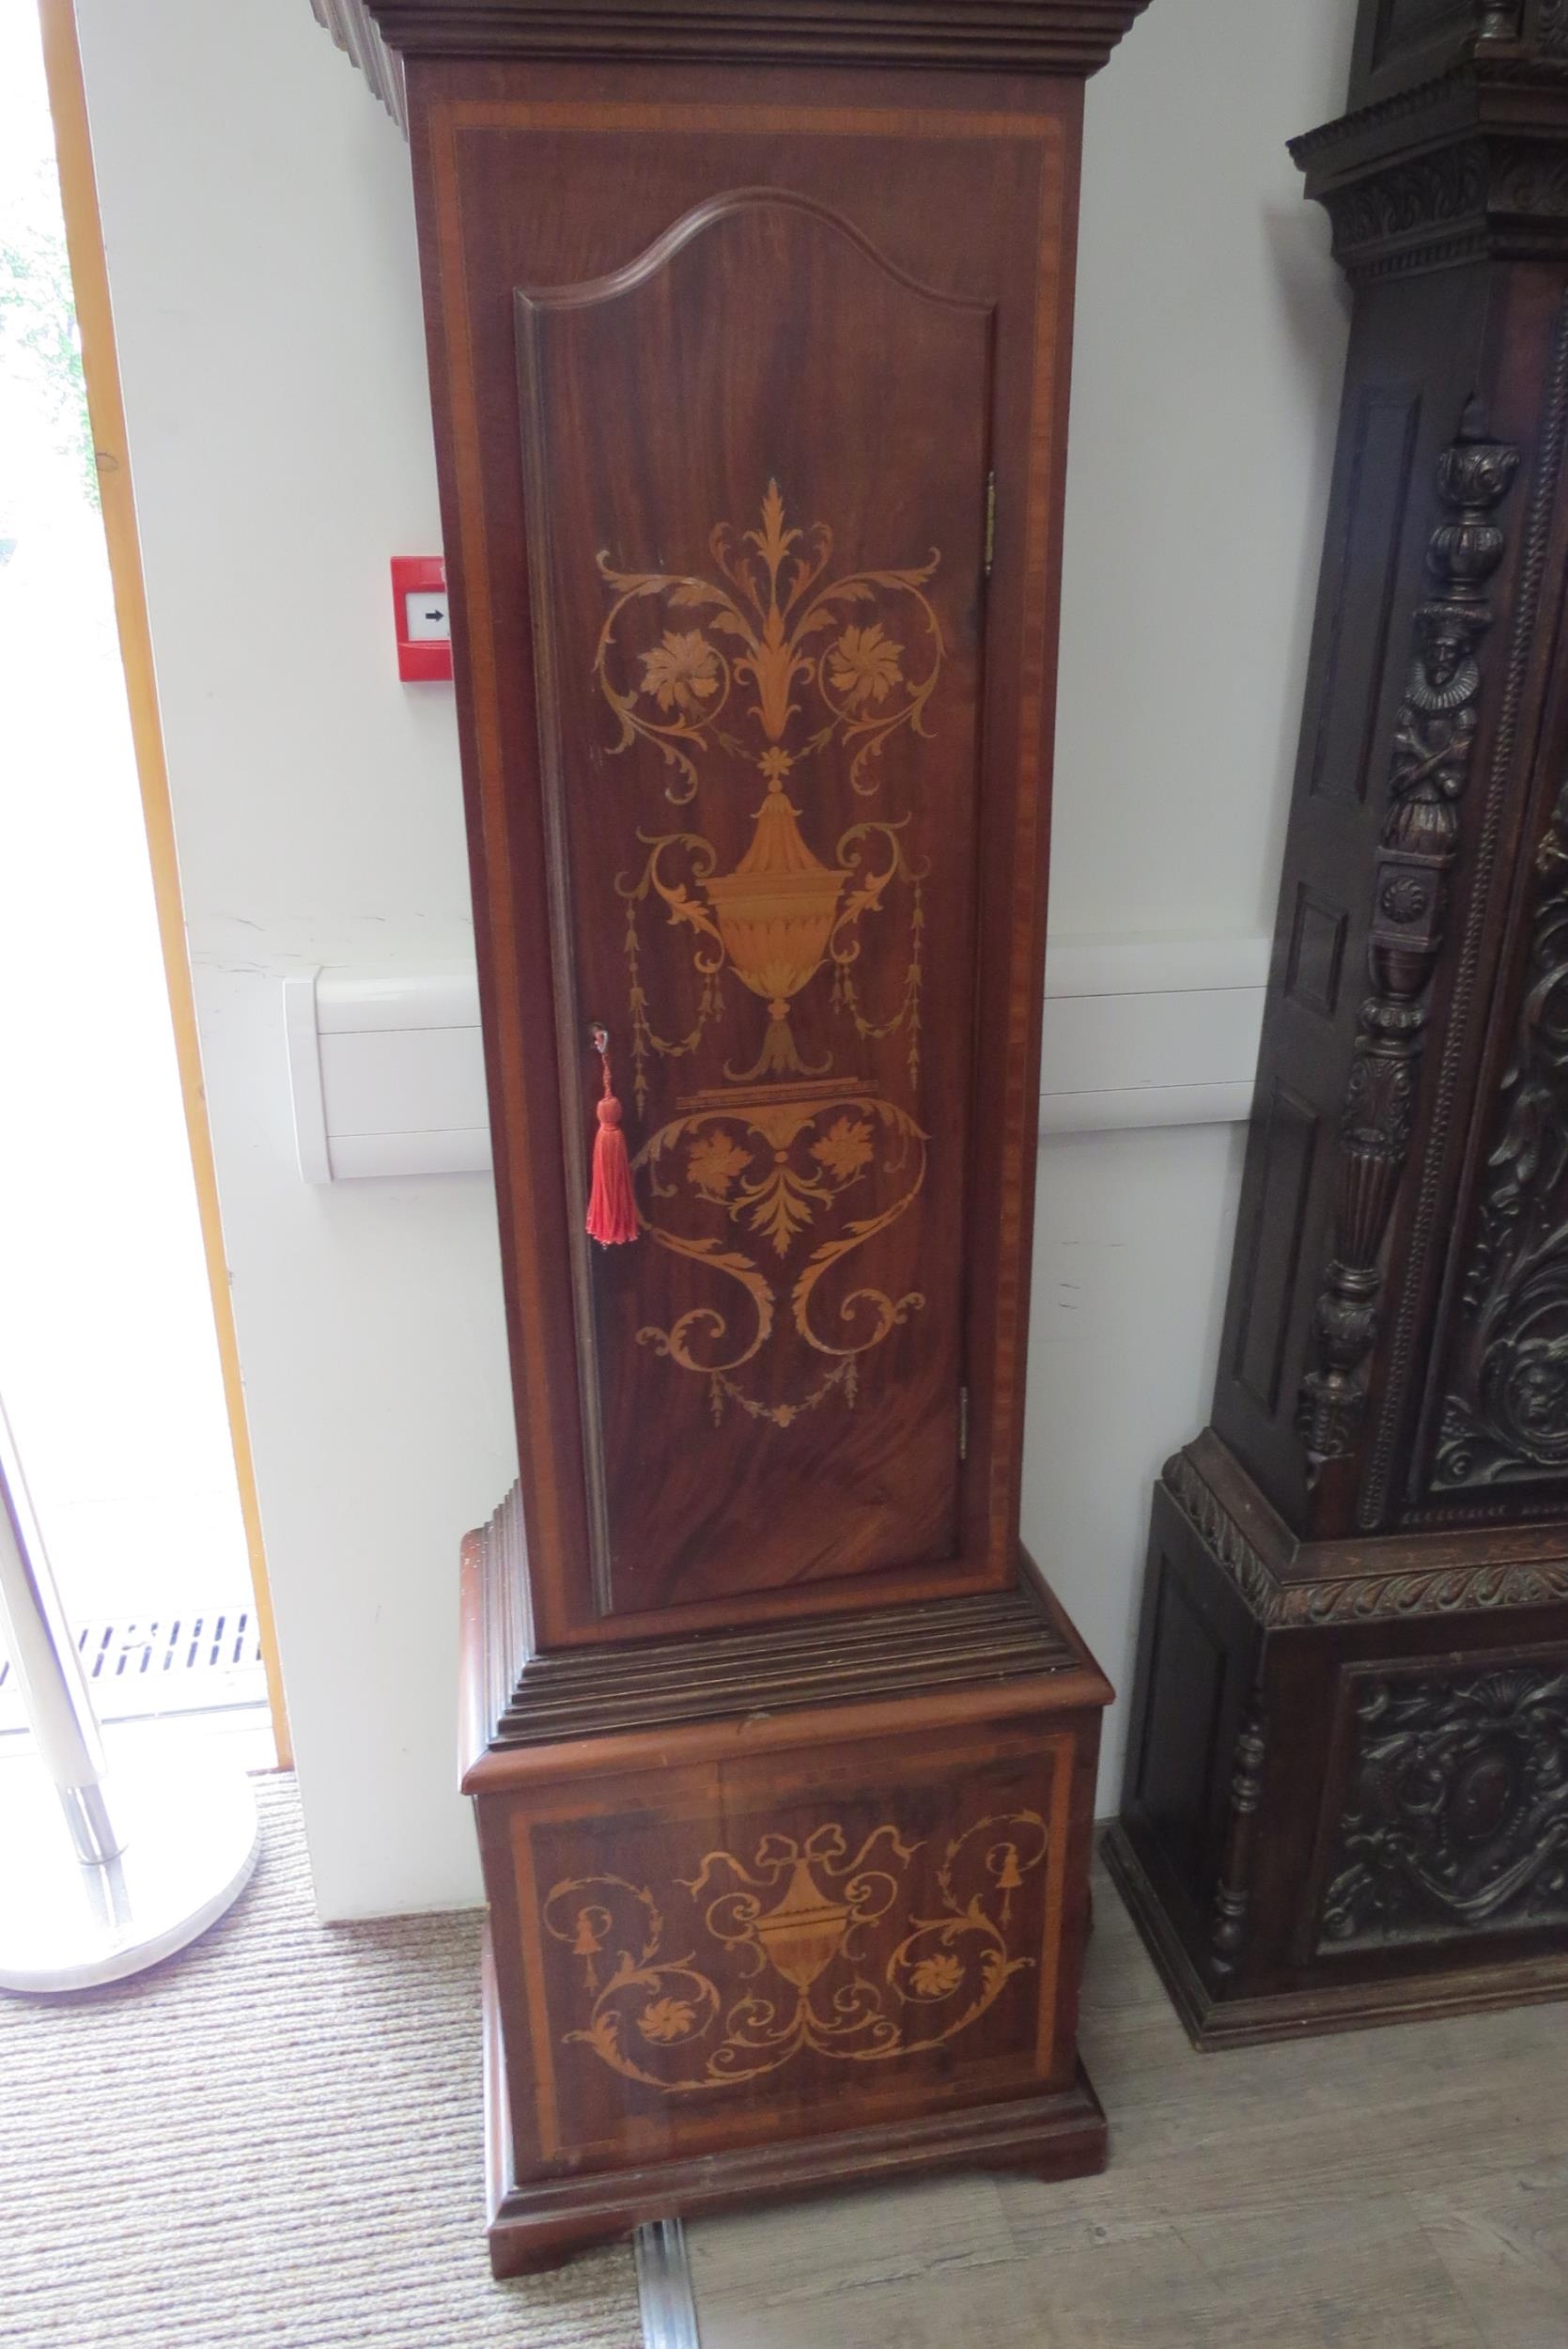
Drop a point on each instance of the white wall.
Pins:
(259, 231)
(1210, 349)
(261, 244)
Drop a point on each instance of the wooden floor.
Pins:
(1389, 2190)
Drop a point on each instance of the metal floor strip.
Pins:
(664, 2286)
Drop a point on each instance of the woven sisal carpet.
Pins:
(272, 2140)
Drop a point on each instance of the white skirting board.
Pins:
(387, 1074)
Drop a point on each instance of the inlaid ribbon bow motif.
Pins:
(805, 1969)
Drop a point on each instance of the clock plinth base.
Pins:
(1213, 2021)
(532, 2228)
(798, 1909)
(1345, 1800)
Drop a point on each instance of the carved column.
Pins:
(1434, 738)
(1231, 1900)
(1369, 1546)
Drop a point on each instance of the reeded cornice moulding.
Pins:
(1469, 164)
(349, 24)
(1059, 37)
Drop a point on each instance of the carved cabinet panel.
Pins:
(757, 503)
(1452, 1814)
(1505, 1397)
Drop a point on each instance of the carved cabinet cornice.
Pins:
(749, 339)
(1385, 1477)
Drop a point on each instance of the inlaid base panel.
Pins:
(765, 1951)
(1347, 1784)
(1058, 2135)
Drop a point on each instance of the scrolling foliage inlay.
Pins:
(788, 1961)
(764, 664)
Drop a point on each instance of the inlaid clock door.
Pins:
(757, 471)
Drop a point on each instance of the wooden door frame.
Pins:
(106, 412)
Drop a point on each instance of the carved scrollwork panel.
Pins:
(1405, 208)
(1506, 1418)
(1454, 1811)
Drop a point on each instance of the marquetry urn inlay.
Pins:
(813, 1944)
(768, 659)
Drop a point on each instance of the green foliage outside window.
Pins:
(39, 342)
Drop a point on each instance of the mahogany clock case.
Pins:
(749, 333)
(1348, 1790)
(752, 390)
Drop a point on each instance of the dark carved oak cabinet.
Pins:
(1347, 1791)
(749, 330)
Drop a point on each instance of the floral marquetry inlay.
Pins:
(809, 1945)
(775, 1167)
(774, 622)
(763, 666)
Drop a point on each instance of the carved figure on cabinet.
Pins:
(1435, 730)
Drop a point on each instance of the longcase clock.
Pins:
(749, 336)
(1347, 1797)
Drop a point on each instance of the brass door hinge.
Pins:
(990, 524)
(963, 1423)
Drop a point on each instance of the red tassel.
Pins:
(612, 1203)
